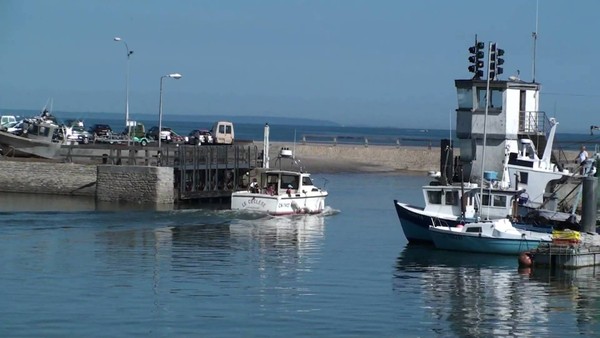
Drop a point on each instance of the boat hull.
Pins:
(278, 205)
(471, 242)
(415, 222)
(13, 145)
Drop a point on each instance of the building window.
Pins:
(499, 201)
(465, 98)
(452, 198)
(496, 96)
(434, 197)
(485, 200)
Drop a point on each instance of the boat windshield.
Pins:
(306, 181)
(289, 180)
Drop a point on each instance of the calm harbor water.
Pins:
(73, 268)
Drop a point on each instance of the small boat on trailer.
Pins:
(37, 138)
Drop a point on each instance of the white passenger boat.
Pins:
(277, 191)
(281, 192)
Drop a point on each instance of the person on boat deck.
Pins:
(289, 190)
(270, 189)
(581, 158)
(254, 186)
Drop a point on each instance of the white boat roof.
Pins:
(286, 172)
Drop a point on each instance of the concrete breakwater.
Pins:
(358, 158)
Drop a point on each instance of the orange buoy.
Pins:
(525, 260)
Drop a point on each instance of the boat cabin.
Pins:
(39, 131)
(493, 203)
(279, 182)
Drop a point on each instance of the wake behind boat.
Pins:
(277, 191)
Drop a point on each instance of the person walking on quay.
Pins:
(581, 158)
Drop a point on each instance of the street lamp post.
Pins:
(129, 52)
(175, 76)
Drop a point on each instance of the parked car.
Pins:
(200, 136)
(15, 128)
(79, 135)
(100, 130)
(176, 138)
(167, 135)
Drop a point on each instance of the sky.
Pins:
(353, 62)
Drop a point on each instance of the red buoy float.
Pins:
(525, 260)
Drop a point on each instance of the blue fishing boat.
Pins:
(493, 237)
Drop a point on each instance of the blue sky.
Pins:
(376, 63)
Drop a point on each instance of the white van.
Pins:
(222, 132)
(6, 119)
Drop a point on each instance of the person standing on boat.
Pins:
(581, 158)
(254, 186)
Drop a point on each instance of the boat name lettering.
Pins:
(254, 201)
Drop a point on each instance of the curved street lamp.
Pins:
(175, 76)
(129, 52)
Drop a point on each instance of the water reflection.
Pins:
(300, 233)
(218, 249)
(20, 202)
(17, 202)
(576, 291)
(472, 295)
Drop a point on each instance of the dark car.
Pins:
(165, 134)
(200, 136)
(100, 130)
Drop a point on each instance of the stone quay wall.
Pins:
(47, 178)
(139, 184)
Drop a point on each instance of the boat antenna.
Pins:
(487, 105)
(266, 146)
(535, 36)
(294, 147)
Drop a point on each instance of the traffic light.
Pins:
(476, 59)
(495, 61)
